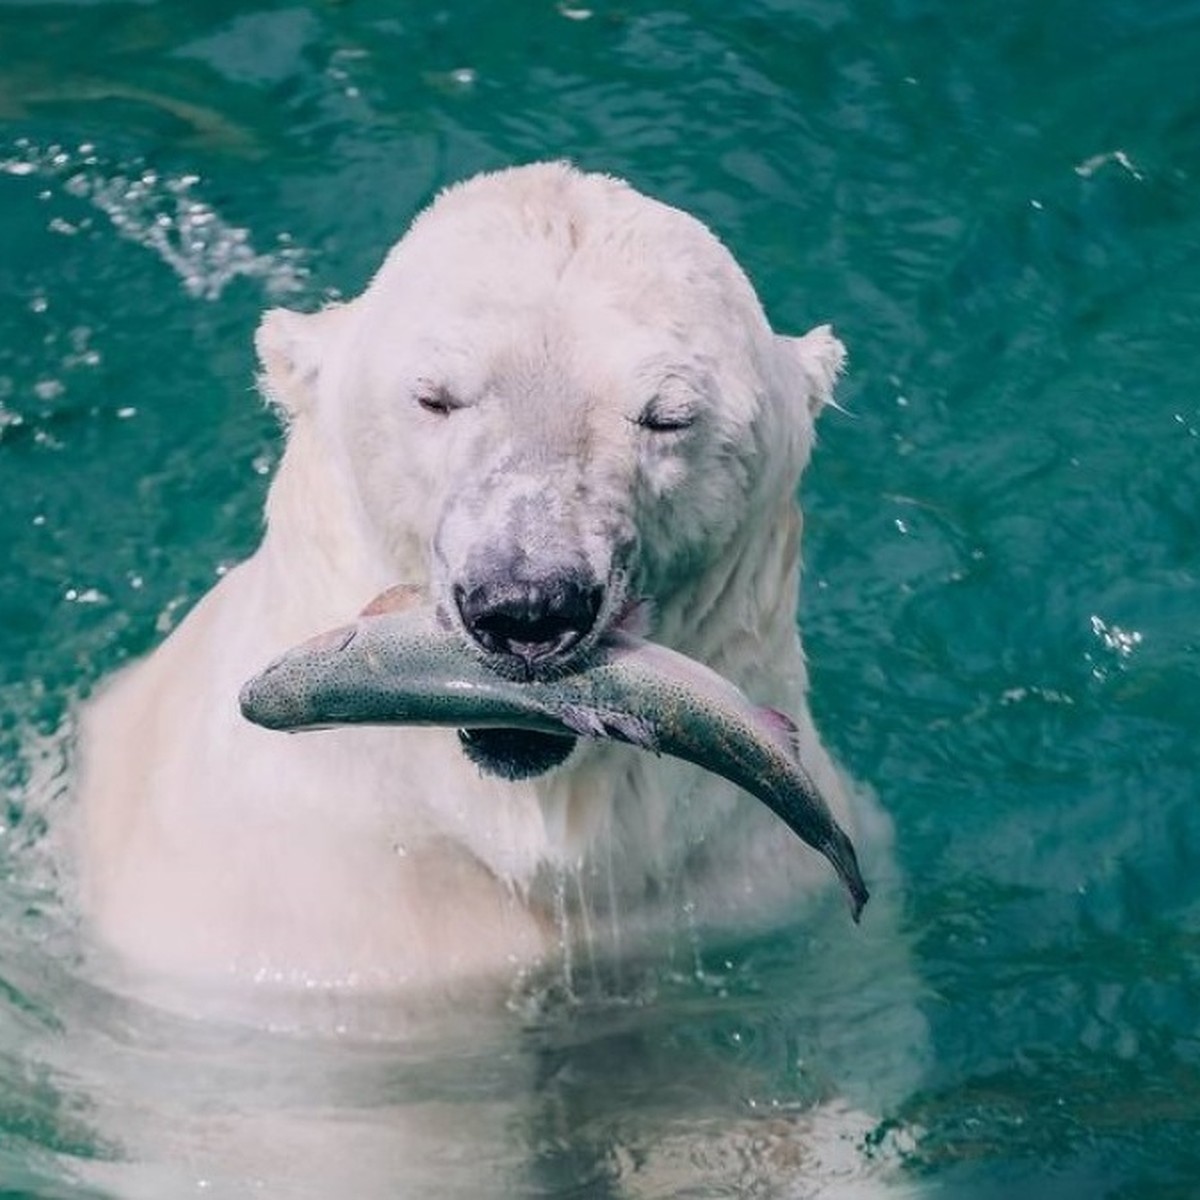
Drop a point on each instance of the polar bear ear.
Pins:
(292, 347)
(819, 357)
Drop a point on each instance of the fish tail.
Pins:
(835, 846)
(838, 848)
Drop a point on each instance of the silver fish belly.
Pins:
(405, 668)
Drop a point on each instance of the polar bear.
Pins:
(556, 396)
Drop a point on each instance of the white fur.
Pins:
(553, 306)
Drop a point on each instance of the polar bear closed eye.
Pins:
(555, 395)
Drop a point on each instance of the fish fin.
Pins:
(395, 599)
(334, 640)
(623, 727)
(635, 618)
(782, 727)
(582, 720)
(613, 726)
(338, 640)
(787, 733)
(778, 720)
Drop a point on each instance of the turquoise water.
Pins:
(998, 205)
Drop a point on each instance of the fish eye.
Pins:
(436, 399)
(665, 416)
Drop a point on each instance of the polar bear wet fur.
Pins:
(555, 396)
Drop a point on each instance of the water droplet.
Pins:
(48, 389)
(89, 595)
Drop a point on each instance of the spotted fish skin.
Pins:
(403, 666)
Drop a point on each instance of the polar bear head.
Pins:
(556, 395)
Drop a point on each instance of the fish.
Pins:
(400, 663)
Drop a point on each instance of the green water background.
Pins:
(997, 205)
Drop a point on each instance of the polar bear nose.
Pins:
(529, 621)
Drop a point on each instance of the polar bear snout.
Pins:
(534, 622)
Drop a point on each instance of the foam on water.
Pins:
(166, 214)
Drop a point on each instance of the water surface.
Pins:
(998, 207)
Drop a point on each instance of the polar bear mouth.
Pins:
(535, 630)
(514, 754)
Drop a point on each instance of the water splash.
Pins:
(35, 793)
(1118, 643)
(165, 214)
(1089, 166)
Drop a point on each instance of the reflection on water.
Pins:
(699, 1068)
